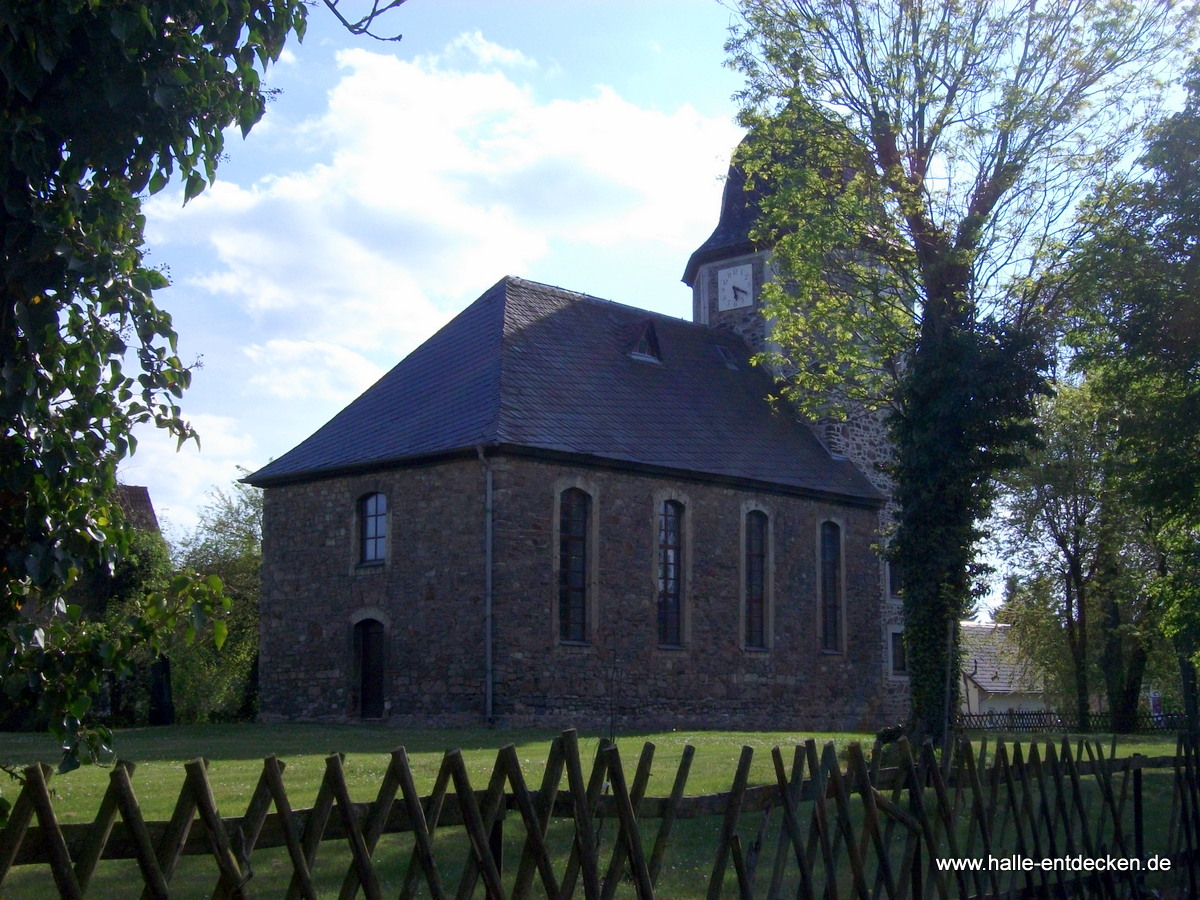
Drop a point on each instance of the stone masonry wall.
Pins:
(863, 439)
(711, 681)
(429, 594)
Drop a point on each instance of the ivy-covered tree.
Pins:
(936, 148)
(104, 100)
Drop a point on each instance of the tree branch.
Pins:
(363, 26)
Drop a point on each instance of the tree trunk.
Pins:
(1123, 664)
(936, 521)
(1187, 675)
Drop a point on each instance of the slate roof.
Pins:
(740, 209)
(135, 503)
(991, 661)
(537, 369)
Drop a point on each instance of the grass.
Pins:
(235, 754)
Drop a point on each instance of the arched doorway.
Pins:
(369, 667)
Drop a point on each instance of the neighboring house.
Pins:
(561, 510)
(135, 503)
(995, 678)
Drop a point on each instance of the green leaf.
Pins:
(194, 186)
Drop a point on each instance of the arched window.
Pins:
(831, 586)
(670, 574)
(372, 528)
(756, 580)
(369, 667)
(573, 569)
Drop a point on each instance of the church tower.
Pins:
(726, 274)
(727, 271)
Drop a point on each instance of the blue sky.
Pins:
(579, 143)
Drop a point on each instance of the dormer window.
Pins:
(727, 357)
(645, 345)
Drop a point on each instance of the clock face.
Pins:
(735, 287)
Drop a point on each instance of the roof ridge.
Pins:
(603, 301)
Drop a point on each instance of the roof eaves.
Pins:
(633, 465)
(364, 468)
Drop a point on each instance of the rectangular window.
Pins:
(756, 580)
(831, 586)
(574, 508)
(670, 574)
(373, 528)
(899, 656)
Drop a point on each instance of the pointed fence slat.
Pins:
(674, 802)
(311, 837)
(93, 847)
(424, 820)
(301, 878)
(56, 847)
(628, 804)
(152, 873)
(535, 826)
(729, 826)
(629, 845)
(534, 854)
(477, 832)
(789, 832)
(14, 832)
(583, 804)
(789, 796)
(361, 867)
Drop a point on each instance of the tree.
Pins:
(103, 101)
(227, 542)
(1136, 297)
(943, 142)
(1087, 557)
(103, 595)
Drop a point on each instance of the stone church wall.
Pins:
(429, 594)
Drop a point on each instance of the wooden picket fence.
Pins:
(1057, 723)
(823, 827)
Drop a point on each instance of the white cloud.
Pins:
(438, 181)
(424, 181)
(294, 370)
(482, 52)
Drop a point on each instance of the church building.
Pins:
(561, 510)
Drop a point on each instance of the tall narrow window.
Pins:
(756, 580)
(899, 654)
(670, 574)
(831, 586)
(372, 527)
(573, 564)
(895, 588)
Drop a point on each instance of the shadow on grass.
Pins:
(251, 740)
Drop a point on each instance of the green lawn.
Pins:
(235, 753)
